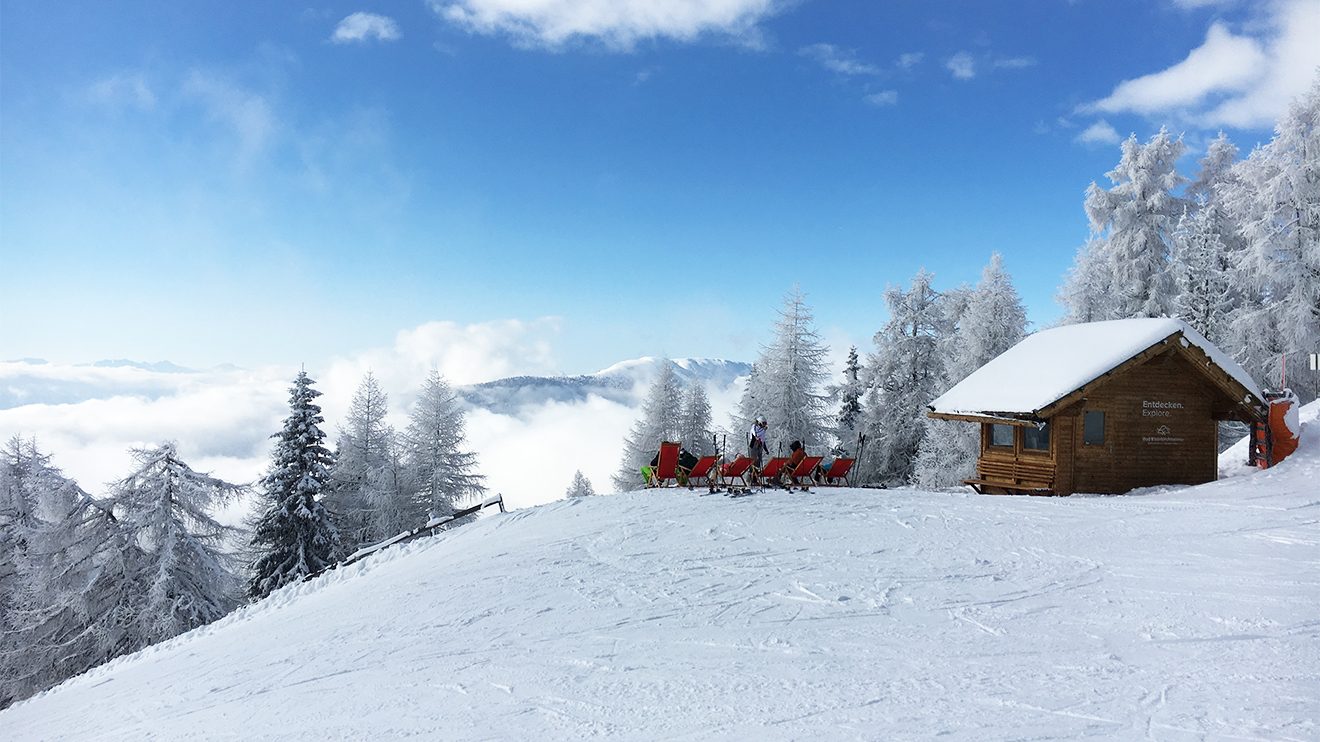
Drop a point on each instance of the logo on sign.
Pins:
(1163, 437)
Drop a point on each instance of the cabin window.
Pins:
(1036, 439)
(1001, 435)
(1093, 428)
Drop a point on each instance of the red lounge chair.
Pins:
(804, 468)
(839, 471)
(666, 468)
(770, 471)
(701, 471)
(737, 469)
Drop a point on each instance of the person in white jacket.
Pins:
(756, 447)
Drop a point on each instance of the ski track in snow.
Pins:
(1176, 613)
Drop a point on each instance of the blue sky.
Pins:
(229, 182)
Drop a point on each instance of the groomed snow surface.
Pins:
(1176, 613)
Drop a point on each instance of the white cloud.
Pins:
(1244, 80)
(961, 66)
(361, 27)
(1223, 62)
(1015, 63)
(618, 24)
(1193, 4)
(834, 59)
(247, 114)
(220, 420)
(1099, 133)
(882, 98)
(89, 417)
(910, 59)
(530, 459)
(464, 354)
(123, 89)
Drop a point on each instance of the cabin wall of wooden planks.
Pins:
(1160, 428)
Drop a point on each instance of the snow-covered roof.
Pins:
(1050, 365)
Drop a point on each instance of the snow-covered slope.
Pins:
(1183, 613)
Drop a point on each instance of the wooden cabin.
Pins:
(1102, 407)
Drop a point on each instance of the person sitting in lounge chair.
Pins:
(685, 463)
(798, 454)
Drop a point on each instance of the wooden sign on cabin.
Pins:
(1102, 407)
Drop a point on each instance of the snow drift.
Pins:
(1175, 613)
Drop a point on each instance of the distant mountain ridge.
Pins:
(160, 367)
(623, 383)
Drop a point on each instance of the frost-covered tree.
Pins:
(1136, 217)
(294, 535)
(694, 425)
(17, 521)
(1216, 173)
(366, 492)
(19, 495)
(1085, 293)
(76, 592)
(992, 320)
(659, 421)
(787, 384)
(188, 574)
(907, 371)
(1276, 202)
(440, 472)
(580, 487)
(849, 394)
(1204, 273)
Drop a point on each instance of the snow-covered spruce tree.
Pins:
(694, 425)
(787, 384)
(849, 395)
(580, 487)
(366, 492)
(76, 592)
(189, 576)
(1137, 217)
(1204, 273)
(1085, 293)
(992, 321)
(1219, 233)
(294, 535)
(1277, 204)
(440, 472)
(1209, 268)
(659, 421)
(750, 405)
(907, 373)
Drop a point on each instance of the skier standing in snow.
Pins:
(756, 443)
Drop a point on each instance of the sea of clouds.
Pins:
(89, 416)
